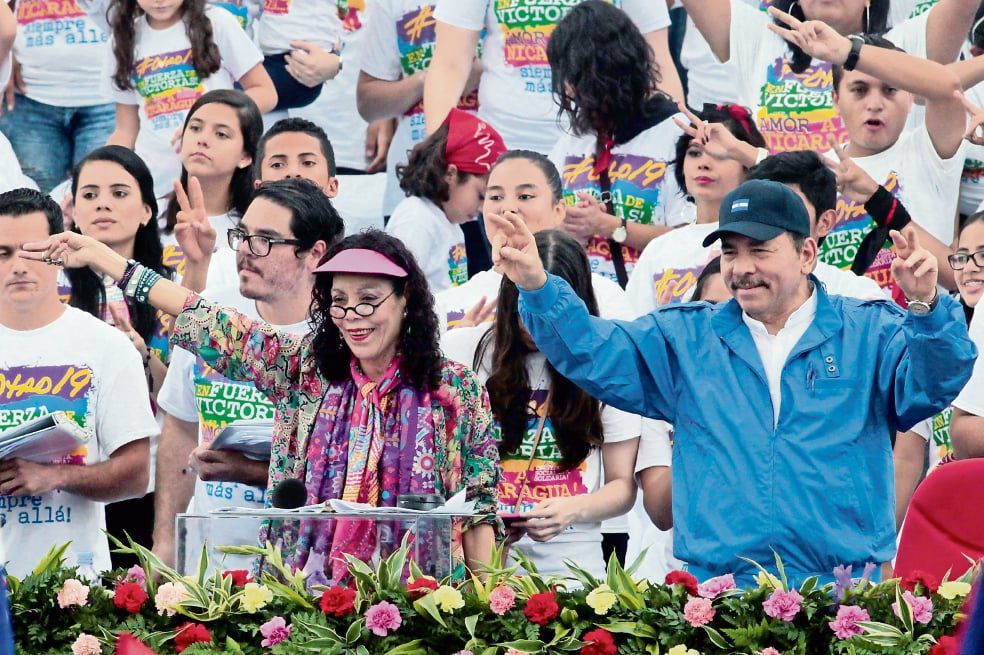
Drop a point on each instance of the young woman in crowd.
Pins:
(115, 205)
(567, 462)
(219, 143)
(368, 377)
(790, 92)
(617, 160)
(165, 57)
(444, 181)
(706, 167)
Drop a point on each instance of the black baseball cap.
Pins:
(761, 210)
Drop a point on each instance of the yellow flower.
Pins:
(680, 649)
(642, 584)
(448, 599)
(255, 596)
(764, 579)
(601, 599)
(953, 589)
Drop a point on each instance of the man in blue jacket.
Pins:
(783, 399)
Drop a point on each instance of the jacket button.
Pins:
(829, 359)
(832, 369)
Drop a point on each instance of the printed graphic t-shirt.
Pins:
(546, 479)
(90, 370)
(514, 95)
(283, 21)
(61, 51)
(166, 84)
(400, 42)
(437, 244)
(644, 189)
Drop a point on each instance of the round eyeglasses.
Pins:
(258, 244)
(363, 309)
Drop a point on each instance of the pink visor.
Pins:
(361, 261)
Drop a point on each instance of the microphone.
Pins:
(289, 494)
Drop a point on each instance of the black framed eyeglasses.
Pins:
(259, 244)
(960, 259)
(363, 309)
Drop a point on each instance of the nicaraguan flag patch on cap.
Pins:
(740, 205)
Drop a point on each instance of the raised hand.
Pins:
(514, 252)
(975, 128)
(915, 269)
(193, 230)
(814, 37)
(478, 314)
(715, 139)
(853, 182)
(73, 250)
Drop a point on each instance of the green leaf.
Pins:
(716, 638)
(426, 605)
(905, 612)
(809, 585)
(471, 622)
(637, 562)
(782, 571)
(409, 648)
(354, 632)
(524, 645)
(634, 628)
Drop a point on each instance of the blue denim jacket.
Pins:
(819, 487)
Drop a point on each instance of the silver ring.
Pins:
(56, 261)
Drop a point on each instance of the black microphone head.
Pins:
(289, 494)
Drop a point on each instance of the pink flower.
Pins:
(502, 599)
(136, 574)
(275, 630)
(73, 592)
(846, 625)
(86, 645)
(698, 611)
(768, 651)
(382, 618)
(716, 586)
(783, 605)
(464, 652)
(922, 608)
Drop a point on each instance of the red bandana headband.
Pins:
(473, 145)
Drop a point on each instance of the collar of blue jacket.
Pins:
(818, 488)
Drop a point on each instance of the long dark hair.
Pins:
(88, 291)
(873, 21)
(423, 174)
(419, 333)
(736, 118)
(205, 56)
(603, 73)
(575, 415)
(250, 126)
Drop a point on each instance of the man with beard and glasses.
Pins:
(783, 399)
(279, 242)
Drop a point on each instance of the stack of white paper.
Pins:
(251, 438)
(43, 439)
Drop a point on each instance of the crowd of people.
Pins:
(696, 277)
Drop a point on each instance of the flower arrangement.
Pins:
(151, 610)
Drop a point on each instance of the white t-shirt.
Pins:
(82, 366)
(580, 542)
(676, 257)
(400, 42)
(194, 392)
(971, 398)
(514, 95)
(644, 189)
(936, 431)
(972, 176)
(452, 304)
(794, 111)
(436, 243)
(283, 21)
(166, 84)
(914, 173)
(222, 267)
(61, 51)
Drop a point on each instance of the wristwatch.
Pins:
(852, 57)
(921, 307)
(620, 234)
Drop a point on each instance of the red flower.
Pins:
(421, 586)
(239, 577)
(191, 633)
(928, 580)
(688, 581)
(600, 642)
(947, 645)
(129, 596)
(338, 601)
(542, 608)
(127, 644)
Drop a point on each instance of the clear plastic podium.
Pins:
(429, 535)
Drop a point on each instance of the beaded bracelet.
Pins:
(148, 279)
(131, 286)
(131, 266)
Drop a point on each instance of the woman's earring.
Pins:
(867, 18)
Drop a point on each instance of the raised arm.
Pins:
(946, 28)
(713, 21)
(450, 68)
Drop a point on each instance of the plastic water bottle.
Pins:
(87, 572)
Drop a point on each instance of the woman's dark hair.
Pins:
(736, 118)
(250, 126)
(543, 163)
(713, 268)
(88, 291)
(419, 333)
(122, 16)
(575, 415)
(874, 20)
(602, 70)
(423, 174)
